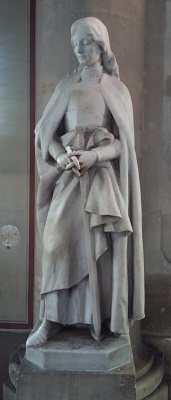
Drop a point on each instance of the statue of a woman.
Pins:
(89, 207)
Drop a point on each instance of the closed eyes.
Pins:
(84, 42)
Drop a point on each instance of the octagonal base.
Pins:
(76, 350)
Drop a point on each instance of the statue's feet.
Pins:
(46, 330)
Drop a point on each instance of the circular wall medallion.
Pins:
(9, 236)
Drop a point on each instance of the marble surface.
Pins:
(76, 350)
(76, 247)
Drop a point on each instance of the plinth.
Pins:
(73, 366)
(76, 350)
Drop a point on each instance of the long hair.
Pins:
(99, 34)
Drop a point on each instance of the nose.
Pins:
(80, 48)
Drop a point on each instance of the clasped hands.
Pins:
(78, 160)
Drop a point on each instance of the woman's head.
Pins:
(89, 35)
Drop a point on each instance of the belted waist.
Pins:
(92, 138)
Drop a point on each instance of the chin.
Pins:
(82, 63)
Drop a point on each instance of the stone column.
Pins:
(156, 165)
(156, 176)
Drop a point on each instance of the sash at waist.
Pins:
(91, 138)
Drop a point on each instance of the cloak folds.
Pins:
(128, 264)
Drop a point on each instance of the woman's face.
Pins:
(86, 50)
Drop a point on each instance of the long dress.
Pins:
(113, 199)
(98, 213)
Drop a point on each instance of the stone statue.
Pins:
(89, 207)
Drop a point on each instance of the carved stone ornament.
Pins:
(9, 236)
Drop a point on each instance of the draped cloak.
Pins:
(128, 263)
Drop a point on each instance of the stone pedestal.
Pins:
(76, 350)
(35, 383)
(73, 366)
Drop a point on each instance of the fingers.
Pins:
(76, 162)
(68, 162)
(77, 173)
(70, 165)
(77, 152)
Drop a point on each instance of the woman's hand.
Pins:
(86, 158)
(63, 160)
